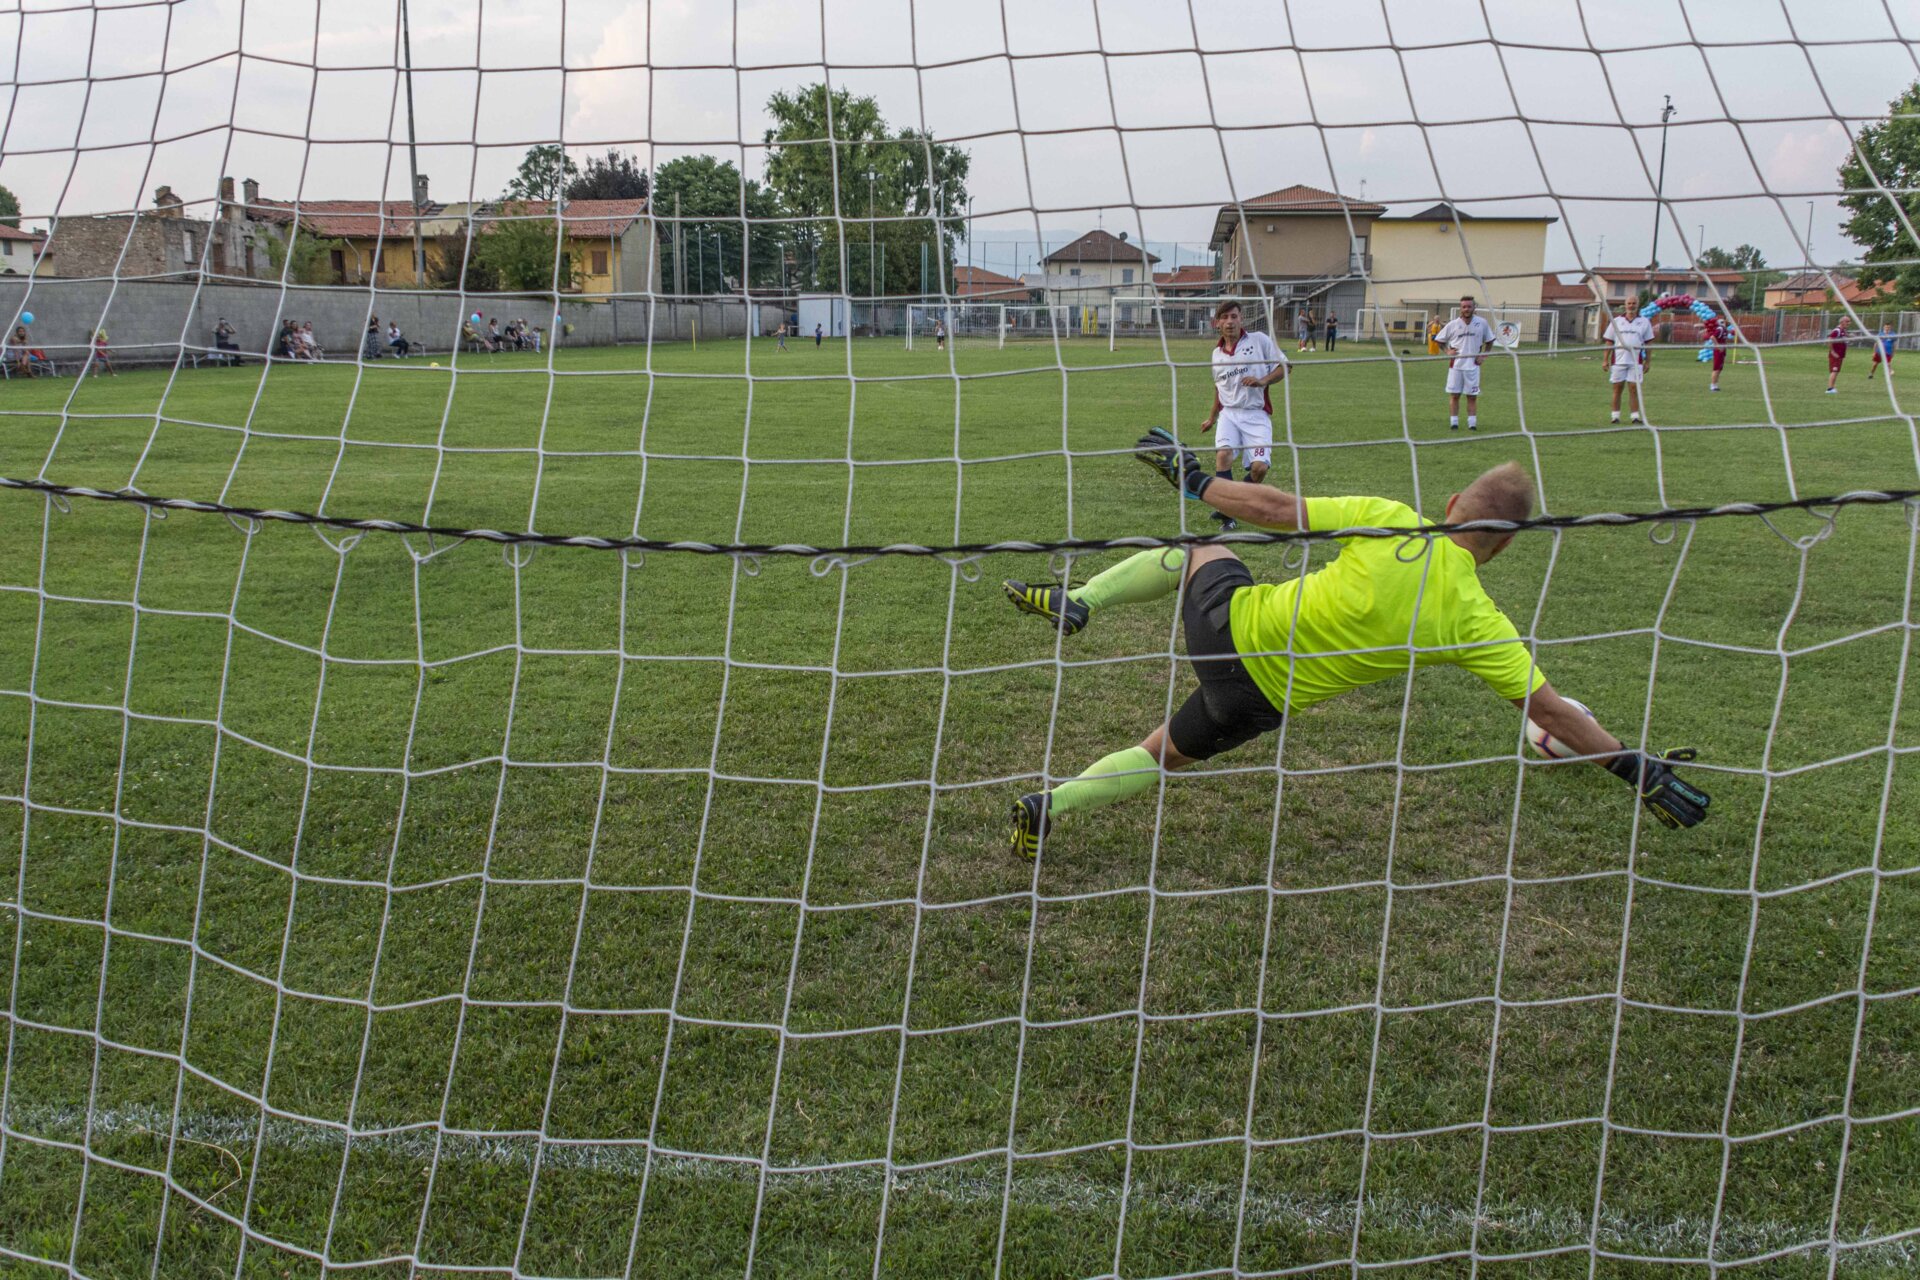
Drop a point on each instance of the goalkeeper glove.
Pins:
(1161, 451)
(1671, 798)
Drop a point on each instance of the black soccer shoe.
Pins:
(1226, 522)
(1049, 600)
(1029, 824)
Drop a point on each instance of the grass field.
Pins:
(320, 837)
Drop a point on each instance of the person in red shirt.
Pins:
(1836, 353)
(1719, 332)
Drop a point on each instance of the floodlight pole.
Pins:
(1659, 194)
(413, 154)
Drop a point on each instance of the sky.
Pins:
(1141, 116)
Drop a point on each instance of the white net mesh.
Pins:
(641, 905)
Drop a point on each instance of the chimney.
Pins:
(251, 191)
(226, 191)
(165, 203)
(420, 190)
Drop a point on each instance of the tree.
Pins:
(917, 192)
(618, 177)
(519, 251)
(710, 194)
(9, 209)
(544, 174)
(311, 256)
(1886, 158)
(453, 266)
(1745, 259)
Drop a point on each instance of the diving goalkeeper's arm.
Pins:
(1670, 798)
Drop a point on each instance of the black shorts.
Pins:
(1228, 708)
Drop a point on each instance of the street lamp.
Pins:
(870, 272)
(413, 157)
(1659, 192)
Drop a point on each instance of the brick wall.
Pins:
(156, 245)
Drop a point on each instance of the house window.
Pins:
(1126, 275)
(566, 267)
(337, 259)
(1073, 271)
(6, 248)
(250, 257)
(599, 262)
(186, 238)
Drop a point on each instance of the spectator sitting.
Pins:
(371, 348)
(493, 334)
(102, 356)
(309, 345)
(28, 361)
(533, 339)
(223, 341)
(470, 337)
(396, 339)
(286, 344)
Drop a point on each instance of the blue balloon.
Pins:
(1649, 311)
(26, 317)
(1705, 354)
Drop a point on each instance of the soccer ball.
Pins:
(1548, 745)
(436, 364)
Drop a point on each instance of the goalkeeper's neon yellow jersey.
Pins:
(1370, 598)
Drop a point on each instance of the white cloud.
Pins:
(1595, 179)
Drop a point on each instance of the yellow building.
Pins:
(24, 253)
(1427, 261)
(376, 235)
(609, 242)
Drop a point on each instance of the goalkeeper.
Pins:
(1349, 624)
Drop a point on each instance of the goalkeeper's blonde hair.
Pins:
(1504, 492)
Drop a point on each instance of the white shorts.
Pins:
(1464, 382)
(1248, 430)
(1634, 373)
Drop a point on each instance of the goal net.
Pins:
(510, 722)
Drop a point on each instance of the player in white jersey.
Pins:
(1466, 336)
(1626, 341)
(1245, 364)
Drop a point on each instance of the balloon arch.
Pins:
(1710, 320)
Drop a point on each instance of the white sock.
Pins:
(1615, 417)
(1453, 420)
(1473, 420)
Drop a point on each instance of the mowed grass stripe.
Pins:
(1774, 660)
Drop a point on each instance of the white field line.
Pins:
(1531, 1227)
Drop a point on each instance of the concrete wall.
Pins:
(153, 320)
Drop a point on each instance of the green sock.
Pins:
(1143, 576)
(1122, 774)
